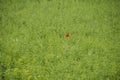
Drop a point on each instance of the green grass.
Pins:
(33, 45)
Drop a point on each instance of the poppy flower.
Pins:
(67, 35)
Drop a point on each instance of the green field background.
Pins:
(33, 45)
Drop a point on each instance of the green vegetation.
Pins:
(33, 45)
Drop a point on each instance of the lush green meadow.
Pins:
(33, 45)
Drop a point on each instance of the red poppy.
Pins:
(67, 35)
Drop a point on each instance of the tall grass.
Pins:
(33, 45)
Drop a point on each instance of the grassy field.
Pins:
(33, 45)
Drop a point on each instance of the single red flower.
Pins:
(67, 35)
